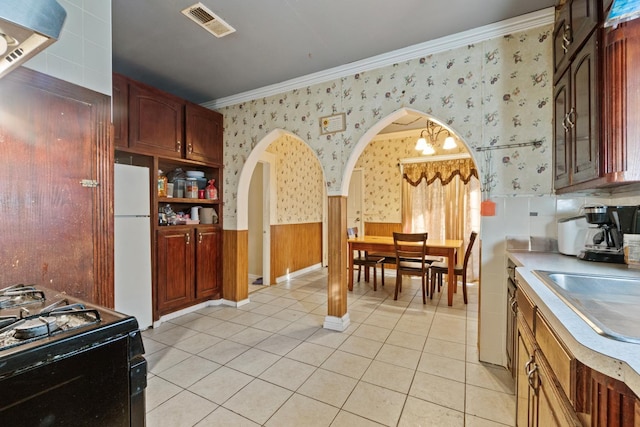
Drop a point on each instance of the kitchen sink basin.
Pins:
(609, 304)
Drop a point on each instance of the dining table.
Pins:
(384, 244)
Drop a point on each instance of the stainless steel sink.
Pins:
(610, 305)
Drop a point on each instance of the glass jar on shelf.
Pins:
(162, 184)
(191, 188)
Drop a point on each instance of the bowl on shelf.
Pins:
(195, 174)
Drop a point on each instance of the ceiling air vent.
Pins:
(208, 20)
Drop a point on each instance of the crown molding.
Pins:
(521, 23)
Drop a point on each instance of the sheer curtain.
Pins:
(443, 199)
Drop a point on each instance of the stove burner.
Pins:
(36, 327)
(50, 321)
(19, 295)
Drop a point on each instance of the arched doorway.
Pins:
(285, 228)
(338, 318)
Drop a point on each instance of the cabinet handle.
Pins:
(190, 148)
(526, 365)
(178, 146)
(199, 237)
(564, 123)
(571, 114)
(514, 305)
(187, 236)
(530, 378)
(566, 38)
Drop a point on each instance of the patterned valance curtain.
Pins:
(444, 170)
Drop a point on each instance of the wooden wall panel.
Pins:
(382, 228)
(294, 247)
(235, 279)
(57, 232)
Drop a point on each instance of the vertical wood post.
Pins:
(337, 316)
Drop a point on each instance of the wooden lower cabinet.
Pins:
(608, 402)
(555, 389)
(188, 266)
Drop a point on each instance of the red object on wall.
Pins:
(488, 208)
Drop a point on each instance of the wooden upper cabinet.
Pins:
(120, 111)
(574, 24)
(203, 135)
(156, 121)
(583, 116)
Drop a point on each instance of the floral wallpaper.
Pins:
(299, 182)
(490, 94)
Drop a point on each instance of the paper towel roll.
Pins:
(206, 215)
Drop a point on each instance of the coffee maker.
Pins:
(604, 237)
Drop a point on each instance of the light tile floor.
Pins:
(270, 362)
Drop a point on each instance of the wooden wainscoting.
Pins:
(382, 228)
(294, 247)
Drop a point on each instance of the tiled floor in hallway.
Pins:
(271, 363)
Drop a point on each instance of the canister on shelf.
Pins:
(192, 188)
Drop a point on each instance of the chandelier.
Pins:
(433, 131)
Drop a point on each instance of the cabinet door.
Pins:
(120, 111)
(174, 269)
(561, 40)
(203, 134)
(584, 18)
(525, 398)
(575, 22)
(583, 116)
(554, 409)
(207, 264)
(562, 132)
(155, 122)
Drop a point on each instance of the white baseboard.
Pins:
(210, 303)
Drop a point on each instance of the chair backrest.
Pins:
(407, 245)
(467, 254)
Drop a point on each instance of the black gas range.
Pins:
(65, 362)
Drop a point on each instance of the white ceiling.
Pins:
(279, 40)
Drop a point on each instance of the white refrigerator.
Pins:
(132, 243)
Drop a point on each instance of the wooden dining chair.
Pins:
(362, 259)
(438, 269)
(411, 252)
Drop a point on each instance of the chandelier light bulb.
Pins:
(421, 145)
(428, 150)
(449, 143)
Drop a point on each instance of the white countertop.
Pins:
(614, 358)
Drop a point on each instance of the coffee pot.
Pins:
(604, 237)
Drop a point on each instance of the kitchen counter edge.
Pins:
(617, 359)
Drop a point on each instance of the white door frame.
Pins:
(269, 194)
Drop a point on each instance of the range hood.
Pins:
(26, 28)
